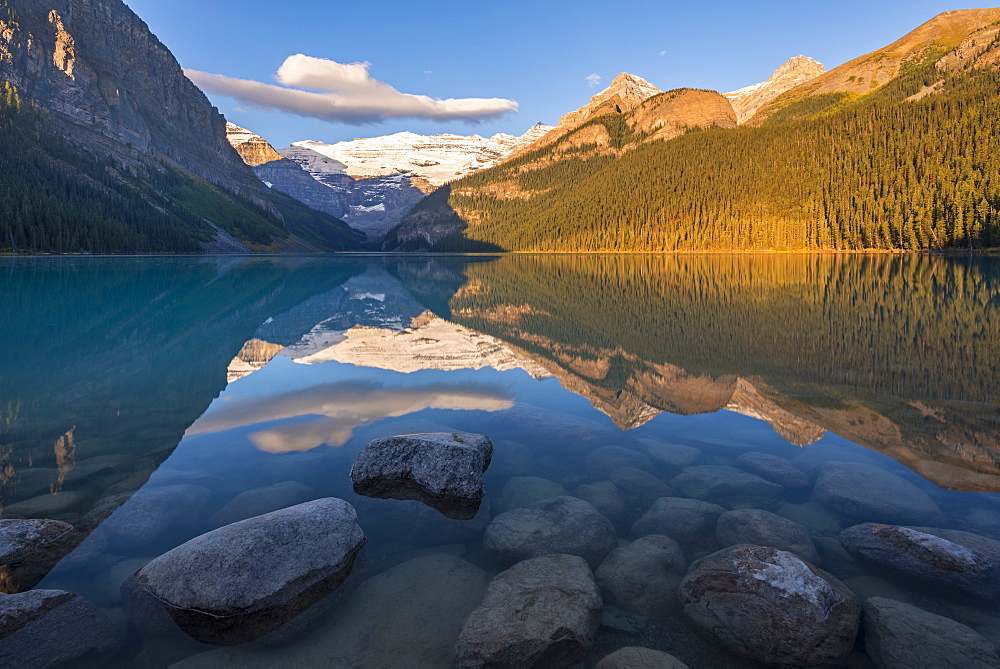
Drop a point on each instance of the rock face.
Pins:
(21, 538)
(680, 518)
(771, 606)
(556, 525)
(636, 657)
(868, 493)
(443, 470)
(643, 576)
(727, 486)
(242, 581)
(673, 113)
(115, 90)
(50, 628)
(408, 616)
(253, 149)
(900, 635)
(763, 528)
(543, 612)
(794, 71)
(960, 564)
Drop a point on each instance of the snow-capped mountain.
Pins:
(798, 70)
(434, 159)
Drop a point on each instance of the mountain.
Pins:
(105, 145)
(798, 70)
(907, 159)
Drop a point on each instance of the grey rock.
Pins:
(763, 528)
(259, 501)
(812, 618)
(441, 469)
(670, 456)
(958, 564)
(871, 494)
(683, 519)
(614, 618)
(407, 616)
(21, 538)
(643, 576)
(642, 484)
(245, 580)
(49, 628)
(557, 525)
(524, 490)
(605, 498)
(636, 657)
(900, 635)
(153, 515)
(543, 612)
(727, 486)
(774, 469)
(606, 459)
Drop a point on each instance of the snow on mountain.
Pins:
(437, 159)
(798, 70)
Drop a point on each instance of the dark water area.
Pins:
(714, 400)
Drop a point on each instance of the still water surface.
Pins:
(148, 401)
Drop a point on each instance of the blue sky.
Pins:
(537, 54)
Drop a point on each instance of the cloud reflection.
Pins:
(340, 408)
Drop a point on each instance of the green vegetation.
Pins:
(838, 172)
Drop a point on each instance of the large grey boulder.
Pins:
(683, 519)
(636, 657)
(20, 538)
(643, 576)
(763, 528)
(728, 486)
(898, 635)
(245, 580)
(50, 628)
(958, 564)
(771, 606)
(556, 525)
(605, 498)
(774, 469)
(441, 469)
(155, 515)
(407, 616)
(524, 490)
(543, 612)
(868, 493)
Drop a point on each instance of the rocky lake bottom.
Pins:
(276, 524)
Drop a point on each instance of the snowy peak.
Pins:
(436, 158)
(629, 88)
(798, 70)
(253, 149)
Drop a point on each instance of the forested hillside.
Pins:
(915, 164)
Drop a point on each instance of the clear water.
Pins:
(123, 378)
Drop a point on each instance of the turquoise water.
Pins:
(228, 387)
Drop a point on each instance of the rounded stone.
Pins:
(771, 606)
(641, 484)
(763, 528)
(605, 498)
(636, 657)
(868, 493)
(680, 518)
(21, 538)
(606, 459)
(727, 486)
(643, 576)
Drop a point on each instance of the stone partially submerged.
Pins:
(49, 628)
(242, 581)
(543, 612)
(771, 606)
(441, 469)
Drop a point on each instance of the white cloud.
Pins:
(663, 53)
(344, 93)
(593, 79)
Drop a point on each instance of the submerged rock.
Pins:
(543, 612)
(557, 525)
(643, 576)
(49, 628)
(959, 564)
(641, 484)
(407, 616)
(605, 498)
(635, 657)
(245, 580)
(774, 469)
(771, 606)
(763, 528)
(524, 490)
(868, 493)
(727, 486)
(606, 459)
(900, 635)
(259, 501)
(670, 456)
(441, 469)
(683, 519)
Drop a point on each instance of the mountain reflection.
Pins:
(340, 408)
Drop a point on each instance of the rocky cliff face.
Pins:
(115, 89)
(798, 70)
(253, 149)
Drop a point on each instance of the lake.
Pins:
(147, 401)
